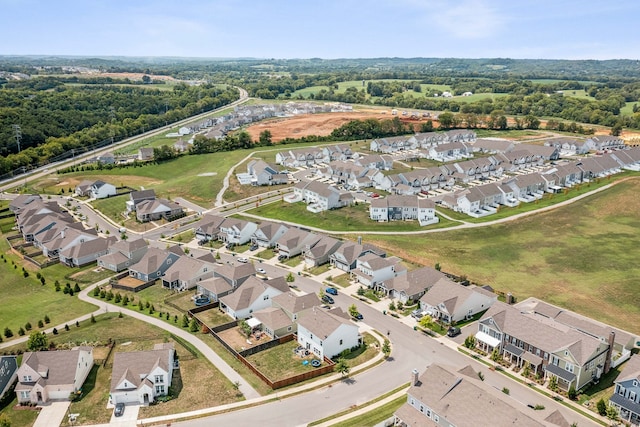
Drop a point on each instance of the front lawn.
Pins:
(343, 280)
(353, 218)
(266, 254)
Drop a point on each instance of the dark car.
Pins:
(332, 291)
(253, 247)
(230, 245)
(453, 332)
(119, 410)
(327, 299)
(358, 316)
(282, 257)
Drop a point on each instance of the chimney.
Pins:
(607, 361)
(359, 240)
(414, 377)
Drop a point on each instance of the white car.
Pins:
(261, 271)
(243, 259)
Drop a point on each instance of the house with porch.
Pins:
(52, 375)
(450, 151)
(140, 377)
(427, 139)
(262, 173)
(550, 348)
(461, 135)
(86, 252)
(123, 254)
(340, 152)
(214, 288)
(372, 269)
(375, 161)
(320, 196)
(208, 227)
(236, 231)
(606, 142)
(83, 189)
(403, 208)
(450, 302)
(392, 144)
(626, 396)
(136, 197)
(274, 322)
(327, 333)
(153, 210)
(268, 233)
(64, 238)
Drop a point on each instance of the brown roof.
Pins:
(57, 367)
(323, 323)
(236, 271)
(415, 281)
(150, 261)
(246, 294)
(273, 318)
(136, 365)
(451, 294)
(296, 303)
(215, 285)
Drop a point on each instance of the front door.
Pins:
(39, 394)
(146, 398)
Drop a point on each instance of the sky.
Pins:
(542, 29)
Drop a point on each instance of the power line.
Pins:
(18, 134)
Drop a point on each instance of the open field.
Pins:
(582, 256)
(24, 299)
(352, 218)
(478, 97)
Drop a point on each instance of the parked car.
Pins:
(453, 331)
(230, 245)
(328, 299)
(282, 257)
(253, 247)
(332, 291)
(243, 259)
(119, 411)
(358, 316)
(417, 314)
(261, 271)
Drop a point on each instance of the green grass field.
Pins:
(26, 300)
(478, 97)
(628, 108)
(343, 86)
(352, 218)
(582, 256)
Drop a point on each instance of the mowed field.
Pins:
(583, 256)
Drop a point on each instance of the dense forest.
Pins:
(55, 118)
(59, 109)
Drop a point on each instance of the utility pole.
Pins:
(18, 134)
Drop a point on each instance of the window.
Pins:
(340, 342)
(266, 297)
(27, 379)
(569, 367)
(159, 379)
(24, 395)
(421, 408)
(436, 418)
(159, 389)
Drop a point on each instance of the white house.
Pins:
(142, 376)
(237, 231)
(326, 333)
(403, 208)
(185, 273)
(451, 302)
(102, 190)
(53, 375)
(294, 241)
(372, 269)
(268, 233)
(319, 196)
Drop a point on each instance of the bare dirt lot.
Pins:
(316, 124)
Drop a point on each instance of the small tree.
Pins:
(437, 266)
(386, 348)
(526, 371)
(360, 291)
(66, 327)
(76, 288)
(4, 421)
(400, 306)
(118, 298)
(601, 406)
(290, 278)
(96, 292)
(392, 306)
(28, 326)
(246, 329)
(55, 331)
(572, 393)
(125, 300)
(57, 286)
(495, 354)
(470, 342)
(426, 322)
(37, 341)
(193, 325)
(40, 324)
(93, 319)
(353, 310)
(553, 383)
(185, 321)
(342, 367)
(612, 413)
(21, 331)
(43, 281)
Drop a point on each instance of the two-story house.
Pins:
(86, 251)
(154, 263)
(372, 269)
(236, 231)
(626, 396)
(208, 227)
(268, 233)
(153, 210)
(102, 190)
(327, 333)
(412, 285)
(319, 253)
(450, 302)
(140, 377)
(253, 295)
(52, 375)
(135, 197)
(123, 254)
(185, 273)
(345, 257)
(294, 241)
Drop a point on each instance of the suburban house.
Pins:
(606, 142)
(268, 233)
(412, 285)
(327, 333)
(107, 158)
(628, 159)
(345, 257)
(372, 269)
(444, 396)
(209, 227)
(461, 135)
(153, 264)
(493, 146)
(375, 161)
(52, 375)
(392, 144)
(546, 152)
(22, 201)
(427, 139)
(529, 334)
(153, 210)
(86, 252)
(529, 187)
(145, 153)
(626, 396)
(274, 322)
(451, 302)
(253, 295)
(301, 157)
(319, 196)
(403, 208)
(181, 145)
(185, 273)
(83, 189)
(64, 238)
(101, 190)
(236, 231)
(570, 146)
(8, 373)
(214, 288)
(450, 151)
(235, 274)
(136, 197)
(142, 376)
(123, 254)
(294, 241)
(292, 304)
(337, 152)
(319, 253)
(262, 174)
(600, 166)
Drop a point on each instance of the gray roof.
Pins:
(246, 294)
(451, 294)
(323, 323)
(215, 285)
(296, 303)
(142, 194)
(185, 268)
(236, 271)
(273, 318)
(126, 246)
(88, 247)
(150, 261)
(415, 281)
(8, 368)
(56, 367)
(136, 365)
(269, 228)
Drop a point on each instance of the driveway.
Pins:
(129, 418)
(52, 414)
